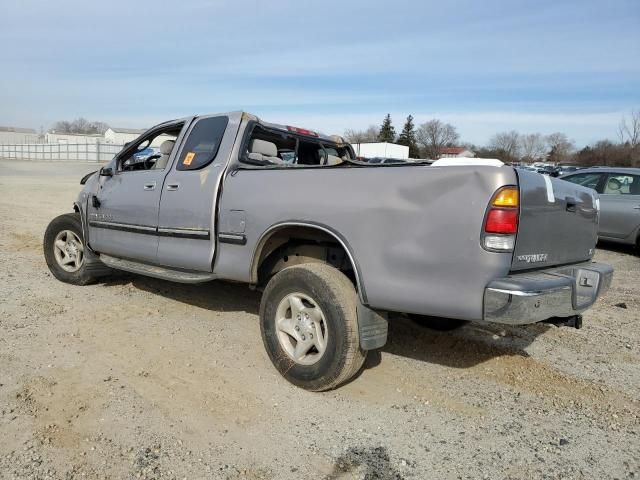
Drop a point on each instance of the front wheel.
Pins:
(66, 255)
(309, 326)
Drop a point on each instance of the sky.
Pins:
(483, 66)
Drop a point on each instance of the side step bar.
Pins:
(156, 271)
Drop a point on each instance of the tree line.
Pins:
(430, 138)
(425, 141)
(80, 126)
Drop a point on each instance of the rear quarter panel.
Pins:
(414, 231)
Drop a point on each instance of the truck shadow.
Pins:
(465, 347)
(215, 296)
(468, 346)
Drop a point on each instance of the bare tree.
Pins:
(362, 136)
(507, 145)
(630, 132)
(533, 147)
(560, 147)
(100, 127)
(80, 125)
(434, 135)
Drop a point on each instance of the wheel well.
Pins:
(294, 245)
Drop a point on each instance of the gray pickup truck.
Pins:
(335, 244)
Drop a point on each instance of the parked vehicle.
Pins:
(146, 153)
(619, 190)
(385, 160)
(335, 243)
(548, 170)
(566, 169)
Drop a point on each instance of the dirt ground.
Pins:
(140, 378)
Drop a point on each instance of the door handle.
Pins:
(149, 186)
(173, 186)
(637, 208)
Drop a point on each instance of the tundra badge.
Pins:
(533, 258)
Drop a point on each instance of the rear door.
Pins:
(186, 222)
(620, 203)
(558, 222)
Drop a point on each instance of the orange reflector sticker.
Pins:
(188, 158)
(507, 197)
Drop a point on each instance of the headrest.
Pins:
(166, 147)
(333, 160)
(614, 184)
(263, 147)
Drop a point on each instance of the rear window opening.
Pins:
(273, 147)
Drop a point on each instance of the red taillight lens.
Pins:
(502, 220)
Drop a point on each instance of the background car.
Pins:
(142, 155)
(619, 190)
(548, 170)
(385, 160)
(567, 169)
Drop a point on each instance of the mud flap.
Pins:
(373, 327)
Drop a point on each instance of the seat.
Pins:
(264, 151)
(165, 151)
(613, 185)
(333, 160)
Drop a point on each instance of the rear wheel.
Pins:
(309, 326)
(437, 323)
(66, 255)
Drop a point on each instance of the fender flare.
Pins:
(269, 232)
(78, 209)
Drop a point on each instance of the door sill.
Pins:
(180, 276)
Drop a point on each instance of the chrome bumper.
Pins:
(525, 298)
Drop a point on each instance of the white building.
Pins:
(452, 152)
(13, 135)
(381, 149)
(120, 136)
(73, 138)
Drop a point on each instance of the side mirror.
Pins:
(106, 172)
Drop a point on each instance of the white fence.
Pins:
(100, 152)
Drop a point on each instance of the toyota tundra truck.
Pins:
(334, 244)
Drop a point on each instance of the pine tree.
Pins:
(387, 132)
(408, 137)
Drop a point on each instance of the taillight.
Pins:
(501, 220)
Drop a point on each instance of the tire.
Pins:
(437, 323)
(82, 267)
(328, 301)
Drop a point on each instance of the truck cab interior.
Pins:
(151, 151)
(275, 147)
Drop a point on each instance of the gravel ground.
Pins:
(140, 378)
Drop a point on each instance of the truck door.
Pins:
(620, 204)
(186, 225)
(123, 216)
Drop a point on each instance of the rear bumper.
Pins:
(525, 298)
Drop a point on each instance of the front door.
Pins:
(186, 225)
(123, 217)
(620, 205)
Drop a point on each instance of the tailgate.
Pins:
(558, 222)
